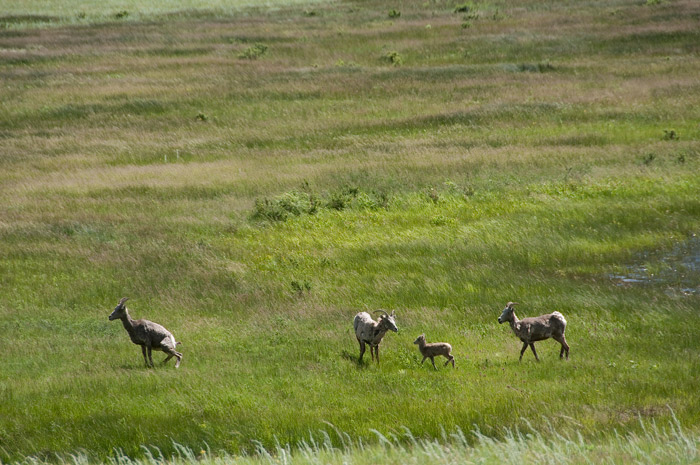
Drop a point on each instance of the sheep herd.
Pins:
(152, 336)
(528, 330)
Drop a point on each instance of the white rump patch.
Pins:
(172, 338)
(560, 317)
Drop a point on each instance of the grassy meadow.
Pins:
(253, 177)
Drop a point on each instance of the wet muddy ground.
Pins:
(678, 269)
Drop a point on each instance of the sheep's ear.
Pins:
(393, 313)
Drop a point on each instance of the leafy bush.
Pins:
(393, 57)
(304, 201)
(288, 204)
(300, 286)
(648, 158)
(254, 52)
(394, 13)
(536, 67)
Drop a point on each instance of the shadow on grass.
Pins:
(140, 367)
(354, 358)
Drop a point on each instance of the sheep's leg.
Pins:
(376, 351)
(532, 346)
(362, 349)
(150, 357)
(371, 351)
(145, 357)
(423, 360)
(172, 353)
(523, 351)
(432, 360)
(450, 358)
(564, 347)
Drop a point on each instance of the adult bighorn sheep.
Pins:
(539, 328)
(371, 332)
(147, 334)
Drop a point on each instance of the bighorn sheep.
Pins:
(432, 350)
(539, 328)
(147, 334)
(371, 332)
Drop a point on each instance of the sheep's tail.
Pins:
(178, 343)
(559, 317)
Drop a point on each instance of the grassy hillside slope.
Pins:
(251, 181)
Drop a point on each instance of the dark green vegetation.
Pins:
(362, 161)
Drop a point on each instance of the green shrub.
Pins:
(536, 67)
(394, 13)
(393, 57)
(339, 200)
(305, 201)
(254, 52)
(288, 204)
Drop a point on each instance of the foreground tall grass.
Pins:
(253, 202)
(669, 444)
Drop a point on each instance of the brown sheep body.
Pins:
(433, 349)
(538, 328)
(149, 335)
(368, 331)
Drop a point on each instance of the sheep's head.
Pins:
(119, 310)
(508, 313)
(419, 339)
(388, 321)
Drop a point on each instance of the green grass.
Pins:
(253, 206)
(652, 445)
(32, 14)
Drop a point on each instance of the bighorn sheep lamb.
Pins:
(147, 334)
(433, 349)
(539, 328)
(371, 332)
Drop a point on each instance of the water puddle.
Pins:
(677, 269)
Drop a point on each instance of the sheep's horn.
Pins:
(124, 299)
(381, 311)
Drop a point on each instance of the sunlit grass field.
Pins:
(253, 178)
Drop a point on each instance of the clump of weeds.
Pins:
(536, 67)
(306, 202)
(393, 57)
(300, 287)
(670, 134)
(464, 8)
(254, 52)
